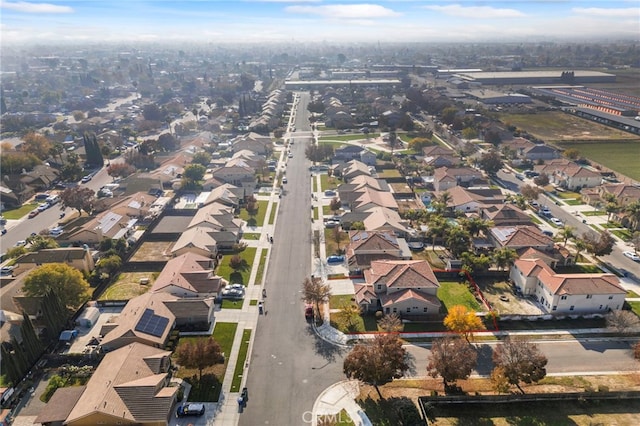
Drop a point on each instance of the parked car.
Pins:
(33, 213)
(233, 291)
(86, 179)
(556, 221)
(21, 243)
(548, 233)
(308, 311)
(331, 223)
(190, 409)
(632, 255)
(6, 270)
(42, 207)
(335, 259)
(54, 232)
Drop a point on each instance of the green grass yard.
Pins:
(258, 219)
(242, 357)
(20, 212)
(274, 210)
(241, 276)
(621, 157)
(455, 293)
(260, 272)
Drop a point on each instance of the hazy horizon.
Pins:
(337, 21)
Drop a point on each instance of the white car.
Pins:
(632, 255)
(556, 221)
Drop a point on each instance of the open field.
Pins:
(606, 412)
(152, 251)
(556, 126)
(127, 286)
(619, 156)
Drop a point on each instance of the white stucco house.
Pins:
(567, 293)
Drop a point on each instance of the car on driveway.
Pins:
(86, 179)
(335, 259)
(233, 291)
(21, 243)
(190, 409)
(632, 255)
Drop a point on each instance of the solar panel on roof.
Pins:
(152, 324)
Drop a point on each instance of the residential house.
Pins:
(404, 287)
(518, 237)
(254, 142)
(199, 240)
(526, 150)
(367, 246)
(624, 193)
(246, 156)
(225, 194)
(239, 174)
(568, 293)
(350, 192)
(504, 215)
(76, 257)
(354, 152)
(445, 178)
(144, 319)
(130, 386)
(576, 177)
(469, 200)
(353, 169)
(105, 225)
(384, 219)
(189, 275)
(438, 156)
(371, 198)
(8, 198)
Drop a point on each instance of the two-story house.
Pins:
(567, 293)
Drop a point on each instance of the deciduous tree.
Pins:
(65, 281)
(120, 170)
(452, 359)
(349, 315)
(390, 323)
(79, 198)
(36, 144)
(462, 321)
(599, 244)
(199, 354)
(520, 360)
(530, 192)
(622, 321)
(377, 363)
(490, 162)
(316, 292)
(335, 204)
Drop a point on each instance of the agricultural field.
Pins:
(555, 126)
(621, 157)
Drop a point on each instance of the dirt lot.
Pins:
(128, 286)
(152, 251)
(512, 305)
(566, 414)
(554, 126)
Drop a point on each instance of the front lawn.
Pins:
(258, 219)
(594, 213)
(209, 387)
(330, 243)
(232, 304)
(18, 213)
(454, 293)
(241, 276)
(274, 210)
(251, 236)
(336, 301)
(623, 234)
(328, 182)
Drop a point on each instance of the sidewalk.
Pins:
(337, 397)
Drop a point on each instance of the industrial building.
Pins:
(536, 77)
(493, 97)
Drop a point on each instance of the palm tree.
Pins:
(476, 225)
(567, 233)
(633, 212)
(503, 257)
(581, 245)
(437, 227)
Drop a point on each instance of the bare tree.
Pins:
(391, 323)
(622, 321)
(520, 360)
(452, 358)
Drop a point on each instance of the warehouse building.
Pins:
(536, 77)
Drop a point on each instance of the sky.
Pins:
(219, 21)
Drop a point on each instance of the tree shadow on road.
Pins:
(326, 350)
(485, 363)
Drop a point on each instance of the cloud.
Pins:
(599, 12)
(476, 12)
(345, 11)
(26, 7)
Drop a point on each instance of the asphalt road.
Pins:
(584, 356)
(616, 258)
(22, 229)
(289, 364)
